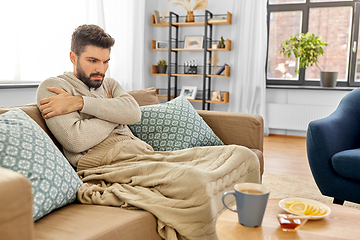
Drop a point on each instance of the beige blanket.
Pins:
(182, 189)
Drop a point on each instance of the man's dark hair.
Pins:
(93, 35)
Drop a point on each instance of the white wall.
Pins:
(290, 110)
(327, 99)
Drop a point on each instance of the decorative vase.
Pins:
(190, 16)
(328, 79)
(162, 69)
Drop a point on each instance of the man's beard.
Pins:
(86, 79)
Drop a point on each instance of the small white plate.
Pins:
(310, 201)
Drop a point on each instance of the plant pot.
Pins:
(221, 46)
(328, 79)
(162, 69)
(190, 16)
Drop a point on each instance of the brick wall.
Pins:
(332, 24)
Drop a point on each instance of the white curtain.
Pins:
(248, 85)
(124, 20)
(35, 37)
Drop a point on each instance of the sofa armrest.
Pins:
(236, 128)
(16, 221)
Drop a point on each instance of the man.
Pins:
(88, 114)
(90, 106)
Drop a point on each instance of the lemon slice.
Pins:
(289, 203)
(301, 207)
(298, 207)
(315, 210)
(309, 209)
(321, 212)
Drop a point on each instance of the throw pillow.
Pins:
(27, 149)
(173, 126)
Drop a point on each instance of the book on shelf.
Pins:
(221, 69)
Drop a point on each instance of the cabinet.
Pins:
(174, 48)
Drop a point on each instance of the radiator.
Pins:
(295, 117)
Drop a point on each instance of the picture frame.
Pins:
(217, 96)
(157, 16)
(162, 45)
(188, 92)
(194, 42)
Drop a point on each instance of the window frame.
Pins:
(305, 9)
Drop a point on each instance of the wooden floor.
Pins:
(286, 155)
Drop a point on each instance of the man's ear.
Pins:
(73, 57)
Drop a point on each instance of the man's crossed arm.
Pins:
(60, 104)
(74, 134)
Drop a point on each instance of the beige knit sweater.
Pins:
(80, 131)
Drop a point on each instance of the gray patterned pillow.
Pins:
(173, 126)
(27, 149)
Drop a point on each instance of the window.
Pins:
(33, 36)
(337, 22)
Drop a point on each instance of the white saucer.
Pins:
(310, 201)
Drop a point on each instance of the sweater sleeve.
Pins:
(121, 109)
(74, 133)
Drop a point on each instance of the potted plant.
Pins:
(306, 48)
(162, 66)
(222, 43)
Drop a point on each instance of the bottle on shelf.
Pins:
(186, 68)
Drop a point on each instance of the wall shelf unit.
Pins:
(227, 47)
(212, 21)
(154, 71)
(225, 98)
(174, 47)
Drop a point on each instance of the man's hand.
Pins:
(62, 103)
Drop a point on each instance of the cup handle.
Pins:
(223, 200)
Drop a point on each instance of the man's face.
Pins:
(91, 65)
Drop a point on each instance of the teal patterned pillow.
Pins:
(173, 126)
(27, 149)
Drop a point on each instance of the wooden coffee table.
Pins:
(342, 223)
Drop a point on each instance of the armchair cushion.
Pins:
(173, 126)
(25, 148)
(347, 163)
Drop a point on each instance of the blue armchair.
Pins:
(333, 148)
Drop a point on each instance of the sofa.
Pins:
(78, 221)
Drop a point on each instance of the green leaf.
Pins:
(305, 46)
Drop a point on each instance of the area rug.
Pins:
(283, 186)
